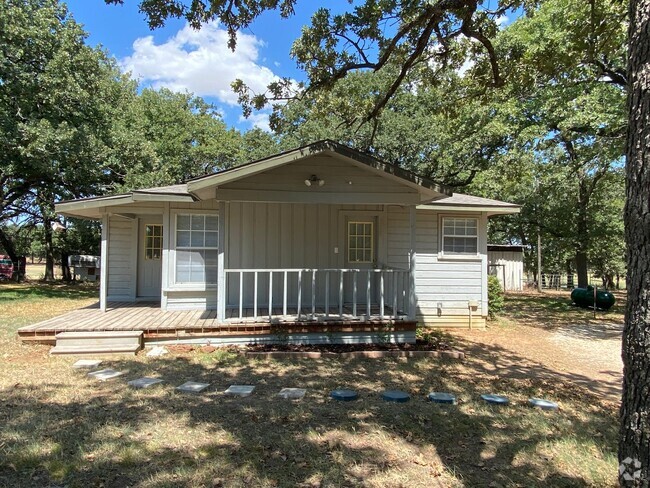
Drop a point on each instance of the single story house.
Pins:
(317, 234)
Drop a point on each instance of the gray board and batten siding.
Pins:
(291, 235)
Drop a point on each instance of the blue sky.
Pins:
(182, 59)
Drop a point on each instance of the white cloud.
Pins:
(258, 119)
(199, 61)
(502, 21)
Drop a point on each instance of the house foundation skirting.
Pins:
(313, 338)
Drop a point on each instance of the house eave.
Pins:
(92, 208)
(489, 209)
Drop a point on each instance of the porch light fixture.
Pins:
(58, 227)
(314, 180)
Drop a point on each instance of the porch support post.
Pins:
(412, 259)
(166, 239)
(103, 272)
(221, 264)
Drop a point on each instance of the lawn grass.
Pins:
(552, 309)
(62, 428)
(30, 302)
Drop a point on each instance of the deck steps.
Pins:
(98, 343)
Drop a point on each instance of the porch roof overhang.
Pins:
(94, 207)
(459, 202)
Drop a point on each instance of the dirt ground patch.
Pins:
(546, 329)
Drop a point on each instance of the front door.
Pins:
(150, 257)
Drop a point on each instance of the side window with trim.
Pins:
(459, 235)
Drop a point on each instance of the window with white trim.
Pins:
(197, 241)
(361, 242)
(152, 241)
(459, 235)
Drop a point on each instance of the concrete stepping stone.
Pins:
(344, 395)
(105, 374)
(157, 351)
(495, 399)
(87, 363)
(144, 382)
(240, 390)
(543, 404)
(395, 396)
(192, 387)
(292, 393)
(444, 398)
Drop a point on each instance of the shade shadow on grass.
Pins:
(108, 433)
(37, 291)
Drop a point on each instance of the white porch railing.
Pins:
(317, 294)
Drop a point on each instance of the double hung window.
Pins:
(197, 241)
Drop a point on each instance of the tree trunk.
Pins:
(569, 274)
(10, 249)
(634, 438)
(582, 236)
(49, 249)
(65, 268)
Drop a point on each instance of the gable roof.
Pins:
(323, 146)
(437, 196)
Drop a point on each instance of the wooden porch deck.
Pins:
(161, 324)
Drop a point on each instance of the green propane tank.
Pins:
(584, 297)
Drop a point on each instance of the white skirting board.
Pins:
(334, 338)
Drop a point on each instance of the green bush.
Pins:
(495, 296)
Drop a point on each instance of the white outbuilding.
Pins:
(506, 262)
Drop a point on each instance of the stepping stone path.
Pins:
(344, 395)
(240, 390)
(86, 364)
(495, 399)
(395, 396)
(144, 382)
(192, 387)
(444, 398)
(543, 404)
(105, 374)
(292, 393)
